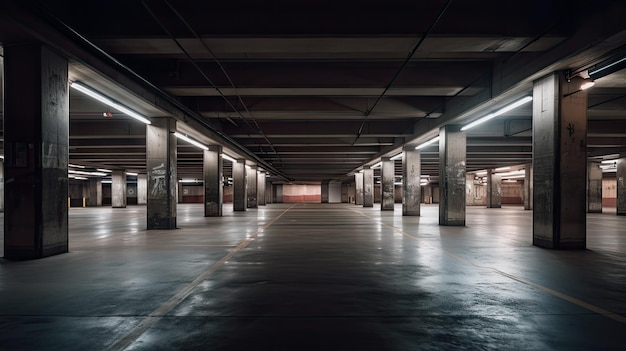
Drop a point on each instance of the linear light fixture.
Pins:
(229, 158)
(103, 170)
(396, 157)
(75, 166)
(132, 174)
(97, 174)
(376, 165)
(191, 141)
(423, 145)
(587, 85)
(503, 110)
(107, 101)
(609, 161)
(593, 72)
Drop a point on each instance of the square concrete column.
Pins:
(344, 193)
(428, 194)
(559, 163)
(239, 185)
(142, 189)
(411, 188)
(620, 174)
(494, 190)
(325, 191)
(213, 181)
(36, 143)
(358, 182)
(162, 177)
(452, 154)
(252, 190)
(261, 187)
(279, 193)
(387, 188)
(268, 192)
(118, 189)
(594, 187)
(528, 186)
(1, 185)
(368, 187)
(94, 194)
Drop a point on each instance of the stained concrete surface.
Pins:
(317, 277)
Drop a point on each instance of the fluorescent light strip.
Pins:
(423, 145)
(609, 161)
(104, 170)
(98, 174)
(592, 72)
(587, 85)
(107, 101)
(229, 158)
(132, 174)
(376, 165)
(396, 157)
(75, 166)
(191, 141)
(503, 110)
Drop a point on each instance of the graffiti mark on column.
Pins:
(157, 178)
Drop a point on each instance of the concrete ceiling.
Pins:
(315, 91)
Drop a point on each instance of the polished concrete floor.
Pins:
(317, 277)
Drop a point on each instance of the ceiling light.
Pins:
(594, 72)
(587, 85)
(132, 174)
(75, 166)
(229, 158)
(97, 174)
(502, 169)
(396, 157)
(107, 101)
(78, 178)
(423, 145)
(609, 161)
(190, 141)
(501, 111)
(376, 165)
(104, 170)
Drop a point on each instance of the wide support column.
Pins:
(269, 193)
(528, 186)
(279, 193)
(452, 153)
(368, 187)
(36, 144)
(620, 174)
(142, 189)
(118, 189)
(162, 178)
(358, 195)
(239, 185)
(494, 190)
(387, 188)
(213, 181)
(94, 193)
(252, 188)
(411, 188)
(261, 188)
(560, 163)
(345, 197)
(325, 191)
(594, 187)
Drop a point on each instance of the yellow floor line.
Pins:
(162, 310)
(614, 316)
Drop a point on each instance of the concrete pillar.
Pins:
(387, 188)
(528, 187)
(239, 185)
(344, 193)
(279, 193)
(494, 190)
(325, 191)
(1, 185)
(411, 169)
(213, 181)
(261, 188)
(368, 187)
(94, 192)
(118, 189)
(252, 190)
(428, 194)
(36, 143)
(268, 192)
(594, 187)
(161, 169)
(559, 163)
(142, 189)
(620, 174)
(358, 194)
(452, 153)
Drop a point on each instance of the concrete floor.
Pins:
(317, 277)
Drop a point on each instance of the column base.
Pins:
(161, 223)
(548, 244)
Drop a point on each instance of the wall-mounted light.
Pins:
(586, 85)
(501, 111)
(107, 101)
(431, 141)
(191, 141)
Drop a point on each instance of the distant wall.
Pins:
(302, 193)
